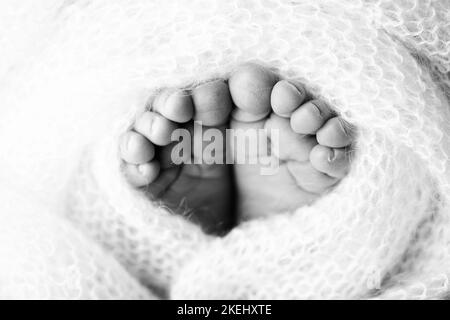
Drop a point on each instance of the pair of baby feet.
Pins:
(312, 148)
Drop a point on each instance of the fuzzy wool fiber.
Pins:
(74, 73)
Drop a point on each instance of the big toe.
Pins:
(251, 87)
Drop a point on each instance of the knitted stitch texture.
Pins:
(74, 73)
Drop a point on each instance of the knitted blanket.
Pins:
(74, 73)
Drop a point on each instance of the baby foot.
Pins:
(312, 148)
(202, 192)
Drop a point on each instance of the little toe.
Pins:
(174, 105)
(251, 87)
(335, 133)
(163, 182)
(310, 117)
(135, 148)
(212, 103)
(286, 97)
(143, 174)
(310, 179)
(333, 162)
(155, 127)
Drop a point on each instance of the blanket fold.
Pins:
(73, 228)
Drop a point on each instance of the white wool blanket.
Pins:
(74, 73)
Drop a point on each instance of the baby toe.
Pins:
(142, 174)
(333, 162)
(212, 103)
(135, 148)
(336, 133)
(309, 117)
(155, 127)
(310, 179)
(286, 97)
(174, 105)
(251, 87)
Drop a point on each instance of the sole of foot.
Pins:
(313, 144)
(201, 192)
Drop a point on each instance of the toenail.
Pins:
(331, 155)
(151, 123)
(315, 108)
(179, 93)
(346, 128)
(295, 88)
(127, 141)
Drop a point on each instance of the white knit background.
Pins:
(73, 74)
